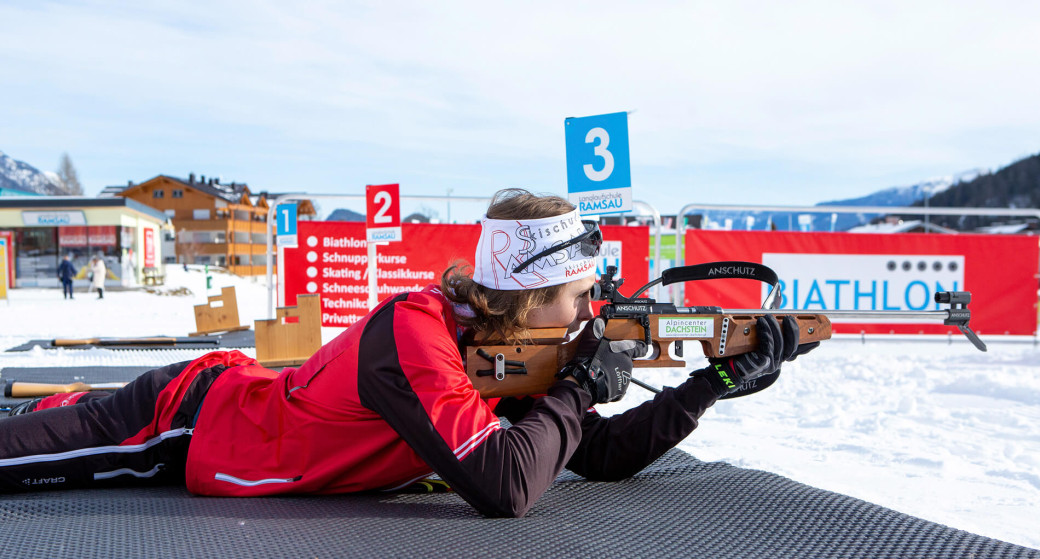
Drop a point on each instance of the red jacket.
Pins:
(388, 402)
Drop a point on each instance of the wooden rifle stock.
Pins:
(498, 370)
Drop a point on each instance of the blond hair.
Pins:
(498, 313)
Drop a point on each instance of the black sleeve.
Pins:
(515, 466)
(505, 473)
(619, 446)
(512, 468)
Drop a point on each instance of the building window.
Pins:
(178, 193)
(170, 213)
(200, 214)
(157, 193)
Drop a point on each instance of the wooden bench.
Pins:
(219, 314)
(153, 276)
(280, 343)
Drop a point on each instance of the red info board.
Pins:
(9, 235)
(332, 260)
(828, 271)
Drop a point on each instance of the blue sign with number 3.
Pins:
(597, 152)
(597, 160)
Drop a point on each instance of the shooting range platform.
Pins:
(677, 507)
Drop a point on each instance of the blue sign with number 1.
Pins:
(285, 224)
(599, 175)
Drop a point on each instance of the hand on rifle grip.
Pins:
(602, 367)
(738, 375)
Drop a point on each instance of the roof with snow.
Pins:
(232, 192)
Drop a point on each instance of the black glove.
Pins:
(602, 367)
(750, 372)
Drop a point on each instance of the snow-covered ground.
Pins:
(937, 430)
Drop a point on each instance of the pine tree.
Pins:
(69, 178)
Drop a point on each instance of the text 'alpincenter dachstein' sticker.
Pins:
(686, 327)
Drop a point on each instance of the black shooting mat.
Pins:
(240, 338)
(677, 507)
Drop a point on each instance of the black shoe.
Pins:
(24, 407)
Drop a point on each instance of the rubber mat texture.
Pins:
(678, 507)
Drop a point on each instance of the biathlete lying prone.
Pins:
(388, 402)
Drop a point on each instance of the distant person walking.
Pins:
(98, 271)
(66, 271)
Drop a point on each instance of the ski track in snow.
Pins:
(936, 430)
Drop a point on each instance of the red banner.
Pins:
(72, 236)
(149, 248)
(829, 271)
(87, 235)
(101, 235)
(332, 260)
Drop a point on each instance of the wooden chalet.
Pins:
(220, 224)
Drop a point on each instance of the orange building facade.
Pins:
(217, 224)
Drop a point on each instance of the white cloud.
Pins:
(735, 93)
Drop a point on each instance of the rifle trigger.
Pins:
(644, 320)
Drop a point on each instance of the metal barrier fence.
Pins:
(676, 292)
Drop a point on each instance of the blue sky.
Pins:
(733, 102)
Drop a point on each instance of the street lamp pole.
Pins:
(450, 190)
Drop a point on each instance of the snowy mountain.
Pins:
(788, 221)
(895, 196)
(343, 214)
(18, 175)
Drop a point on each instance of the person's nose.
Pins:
(585, 311)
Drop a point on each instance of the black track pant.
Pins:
(106, 441)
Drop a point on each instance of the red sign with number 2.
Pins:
(382, 206)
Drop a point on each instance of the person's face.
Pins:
(572, 306)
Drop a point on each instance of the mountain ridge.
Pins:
(21, 176)
(1015, 185)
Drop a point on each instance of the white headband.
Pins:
(506, 243)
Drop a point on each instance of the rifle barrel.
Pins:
(842, 313)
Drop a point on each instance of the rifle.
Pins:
(19, 389)
(163, 341)
(497, 369)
